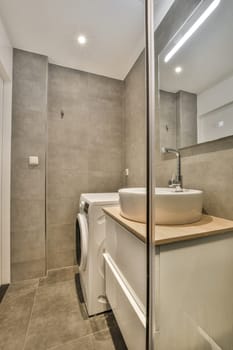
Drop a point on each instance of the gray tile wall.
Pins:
(134, 121)
(178, 119)
(186, 118)
(28, 184)
(84, 150)
(168, 120)
(210, 171)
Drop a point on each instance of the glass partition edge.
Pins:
(150, 176)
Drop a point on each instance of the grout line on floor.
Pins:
(50, 284)
(77, 339)
(68, 342)
(30, 317)
(62, 268)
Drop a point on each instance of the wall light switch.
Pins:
(33, 160)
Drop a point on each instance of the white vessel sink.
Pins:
(171, 208)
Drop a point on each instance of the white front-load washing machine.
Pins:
(90, 245)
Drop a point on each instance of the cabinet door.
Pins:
(196, 288)
(125, 305)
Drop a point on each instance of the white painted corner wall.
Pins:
(214, 111)
(215, 97)
(160, 10)
(6, 72)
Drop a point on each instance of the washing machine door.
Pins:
(81, 241)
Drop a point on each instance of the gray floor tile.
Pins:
(18, 289)
(59, 275)
(98, 341)
(103, 340)
(84, 343)
(53, 330)
(54, 298)
(56, 317)
(45, 314)
(15, 312)
(101, 322)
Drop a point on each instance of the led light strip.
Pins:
(192, 30)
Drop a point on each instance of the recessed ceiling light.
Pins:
(221, 123)
(82, 39)
(178, 70)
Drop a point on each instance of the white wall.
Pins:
(6, 64)
(215, 111)
(161, 8)
(6, 59)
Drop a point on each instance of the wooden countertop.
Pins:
(164, 234)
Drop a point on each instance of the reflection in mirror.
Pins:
(196, 78)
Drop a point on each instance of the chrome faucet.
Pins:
(176, 182)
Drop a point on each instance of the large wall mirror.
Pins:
(196, 78)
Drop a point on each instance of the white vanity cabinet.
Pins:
(125, 263)
(196, 294)
(193, 288)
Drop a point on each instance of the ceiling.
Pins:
(114, 31)
(206, 58)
